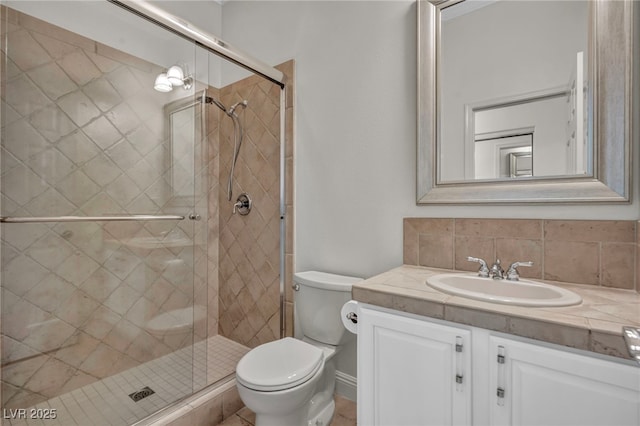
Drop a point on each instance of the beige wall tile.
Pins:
(589, 230)
(9, 16)
(26, 53)
(47, 379)
(231, 403)
(52, 123)
(409, 243)
(249, 245)
(19, 373)
(482, 247)
(515, 228)
(79, 108)
(79, 67)
(51, 31)
(23, 96)
(572, 261)
(289, 324)
(188, 419)
(638, 257)
(431, 225)
(52, 80)
(208, 414)
(432, 229)
(603, 253)
(435, 250)
(618, 261)
(510, 250)
(122, 57)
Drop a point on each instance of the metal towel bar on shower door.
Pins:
(135, 217)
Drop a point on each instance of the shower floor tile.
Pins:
(107, 401)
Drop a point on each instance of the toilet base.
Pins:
(324, 417)
(296, 419)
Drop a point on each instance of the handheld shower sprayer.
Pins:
(242, 103)
(238, 134)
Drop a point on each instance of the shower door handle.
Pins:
(123, 218)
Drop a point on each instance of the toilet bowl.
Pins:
(290, 382)
(277, 380)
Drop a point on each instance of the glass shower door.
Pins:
(97, 301)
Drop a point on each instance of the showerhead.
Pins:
(243, 104)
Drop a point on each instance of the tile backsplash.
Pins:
(596, 252)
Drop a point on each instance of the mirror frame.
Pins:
(611, 97)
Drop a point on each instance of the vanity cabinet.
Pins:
(536, 385)
(413, 370)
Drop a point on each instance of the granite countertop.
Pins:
(594, 325)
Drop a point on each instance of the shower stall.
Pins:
(130, 279)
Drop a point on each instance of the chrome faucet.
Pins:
(484, 269)
(512, 272)
(496, 272)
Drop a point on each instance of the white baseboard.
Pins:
(346, 386)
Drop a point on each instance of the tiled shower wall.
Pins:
(83, 134)
(601, 253)
(249, 278)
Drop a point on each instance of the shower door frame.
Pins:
(223, 49)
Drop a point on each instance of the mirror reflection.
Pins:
(183, 125)
(514, 101)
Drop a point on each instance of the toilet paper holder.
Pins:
(349, 316)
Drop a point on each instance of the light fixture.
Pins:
(175, 75)
(165, 82)
(162, 83)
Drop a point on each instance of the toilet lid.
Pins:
(279, 365)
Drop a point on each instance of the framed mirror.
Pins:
(524, 101)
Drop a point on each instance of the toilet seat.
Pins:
(279, 365)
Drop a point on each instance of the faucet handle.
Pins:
(243, 204)
(484, 269)
(512, 272)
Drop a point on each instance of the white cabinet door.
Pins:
(545, 386)
(410, 373)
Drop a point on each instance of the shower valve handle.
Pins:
(242, 205)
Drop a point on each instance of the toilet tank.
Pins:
(318, 300)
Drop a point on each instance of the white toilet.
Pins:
(290, 382)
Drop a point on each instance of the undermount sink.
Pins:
(518, 293)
